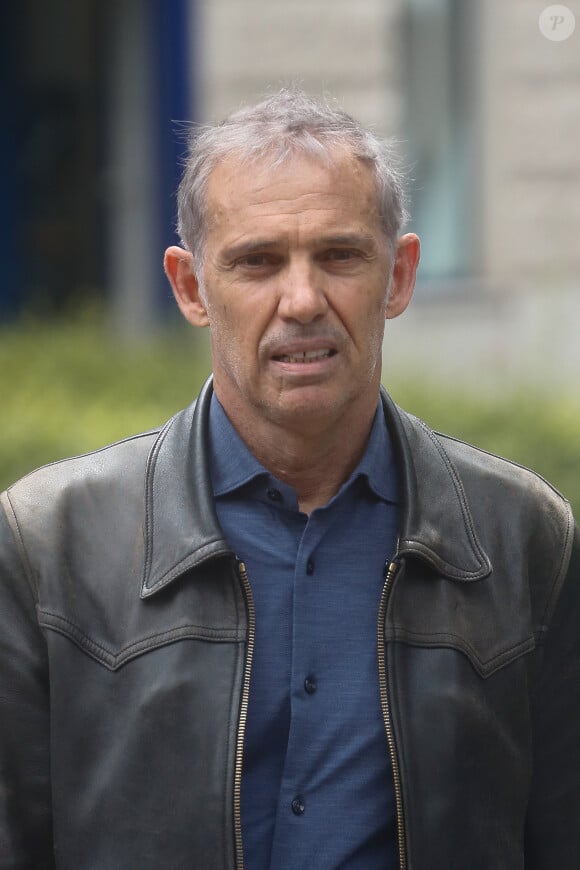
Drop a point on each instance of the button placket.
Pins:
(303, 680)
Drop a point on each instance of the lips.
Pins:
(305, 356)
(304, 351)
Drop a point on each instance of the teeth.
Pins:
(304, 356)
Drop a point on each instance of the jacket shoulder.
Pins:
(513, 504)
(522, 500)
(488, 475)
(71, 503)
(112, 462)
(500, 472)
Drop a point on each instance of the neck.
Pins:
(315, 460)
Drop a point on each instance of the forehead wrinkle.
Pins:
(282, 211)
(272, 189)
(304, 202)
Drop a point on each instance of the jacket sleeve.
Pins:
(553, 821)
(25, 807)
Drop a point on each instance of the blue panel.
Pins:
(173, 69)
(172, 34)
(11, 107)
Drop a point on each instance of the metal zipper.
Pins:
(391, 571)
(243, 575)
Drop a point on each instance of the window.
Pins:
(439, 90)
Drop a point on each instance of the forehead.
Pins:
(301, 186)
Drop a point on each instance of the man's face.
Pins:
(295, 280)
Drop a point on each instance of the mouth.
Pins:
(305, 356)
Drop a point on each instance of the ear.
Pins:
(179, 269)
(404, 272)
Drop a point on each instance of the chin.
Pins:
(310, 404)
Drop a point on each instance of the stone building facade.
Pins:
(487, 110)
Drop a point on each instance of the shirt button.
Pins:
(310, 567)
(310, 685)
(274, 495)
(298, 806)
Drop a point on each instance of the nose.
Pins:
(302, 295)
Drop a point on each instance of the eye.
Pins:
(255, 261)
(256, 265)
(341, 255)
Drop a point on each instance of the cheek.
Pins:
(222, 319)
(233, 338)
(367, 317)
(371, 328)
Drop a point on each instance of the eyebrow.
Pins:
(342, 239)
(235, 251)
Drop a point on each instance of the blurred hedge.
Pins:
(531, 429)
(68, 387)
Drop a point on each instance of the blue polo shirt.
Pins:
(317, 788)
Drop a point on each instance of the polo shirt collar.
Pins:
(232, 465)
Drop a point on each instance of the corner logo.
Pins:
(557, 23)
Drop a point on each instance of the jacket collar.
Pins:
(181, 525)
(182, 529)
(436, 521)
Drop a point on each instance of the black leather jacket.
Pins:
(126, 633)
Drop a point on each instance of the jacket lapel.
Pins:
(436, 522)
(181, 526)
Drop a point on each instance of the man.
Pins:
(293, 628)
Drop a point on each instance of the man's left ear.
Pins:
(404, 272)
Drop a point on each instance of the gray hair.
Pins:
(287, 123)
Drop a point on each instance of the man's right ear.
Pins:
(179, 269)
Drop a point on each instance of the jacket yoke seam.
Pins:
(485, 667)
(71, 629)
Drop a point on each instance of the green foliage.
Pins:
(531, 429)
(70, 387)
